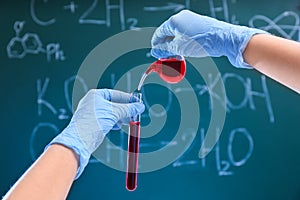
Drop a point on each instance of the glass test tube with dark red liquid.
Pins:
(171, 70)
(133, 150)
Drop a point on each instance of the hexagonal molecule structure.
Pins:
(32, 43)
(15, 48)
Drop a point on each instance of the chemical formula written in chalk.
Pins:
(30, 43)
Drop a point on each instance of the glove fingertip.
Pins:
(138, 108)
(117, 126)
(161, 53)
(154, 53)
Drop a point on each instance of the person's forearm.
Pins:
(275, 57)
(50, 177)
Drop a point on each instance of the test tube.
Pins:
(133, 149)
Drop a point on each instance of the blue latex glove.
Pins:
(99, 111)
(192, 35)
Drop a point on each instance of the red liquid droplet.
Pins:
(132, 155)
(171, 70)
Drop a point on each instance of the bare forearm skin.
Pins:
(50, 177)
(275, 57)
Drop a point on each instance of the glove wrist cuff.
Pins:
(239, 39)
(76, 145)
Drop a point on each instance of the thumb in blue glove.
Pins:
(192, 35)
(97, 113)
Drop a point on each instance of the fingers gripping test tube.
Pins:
(133, 149)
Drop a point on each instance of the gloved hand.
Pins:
(97, 113)
(192, 35)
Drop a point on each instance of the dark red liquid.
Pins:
(171, 70)
(132, 155)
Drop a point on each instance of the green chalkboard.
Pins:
(47, 46)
